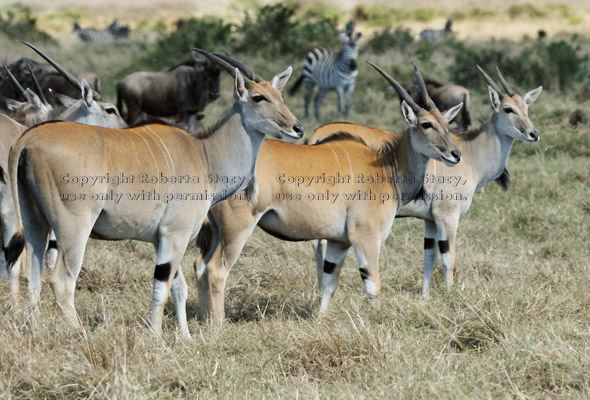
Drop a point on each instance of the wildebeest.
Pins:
(48, 78)
(113, 32)
(445, 97)
(182, 91)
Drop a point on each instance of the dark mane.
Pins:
(504, 179)
(470, 134)
(206, 132)
(433, 83)
(388, 161)
(341, 135)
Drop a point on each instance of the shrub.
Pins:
(381, 41)
(275, 31)
(17, 23)
(209, 33)
(555, 65)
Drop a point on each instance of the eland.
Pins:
(63, 178)
(448, 192)
(339, 190)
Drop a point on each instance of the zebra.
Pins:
(329, 69)
(431, 35)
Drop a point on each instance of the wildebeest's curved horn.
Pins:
(490, 81)
(505, 84)
(67, 75)
(20, 88)
(222, 63)
(399, 89)
(422, 89)
(37, 86)
(241, 66)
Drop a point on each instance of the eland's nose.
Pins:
(456, 154)
(299, 128)
(534, 135)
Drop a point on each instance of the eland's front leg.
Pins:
(170, 251)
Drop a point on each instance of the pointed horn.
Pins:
(222, 63)
(490, 81)
(67, 75)
(399, 89)
(422, 89)
(241, 66)
(37, 86)
(20, 88)
(505, 84)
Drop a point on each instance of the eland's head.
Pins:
(510, 110)
(260, 102)
(429, 128)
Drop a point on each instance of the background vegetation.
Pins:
(515, 326)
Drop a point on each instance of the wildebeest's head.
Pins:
(212, 72)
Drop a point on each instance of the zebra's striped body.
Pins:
(431, 35)
(329, 70)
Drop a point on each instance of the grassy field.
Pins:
(516, 324)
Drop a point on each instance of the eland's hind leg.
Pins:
(71, 241)
(234, 225)
(366, 248)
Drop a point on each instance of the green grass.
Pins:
(514, 326)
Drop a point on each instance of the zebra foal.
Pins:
(329, 70)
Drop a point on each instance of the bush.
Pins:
(209, 33)
(387, 38)
(555, 65)
(17, 23)
(275, 31)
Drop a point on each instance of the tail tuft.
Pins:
(205, 238)
(14, 249)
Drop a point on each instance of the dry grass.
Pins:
(515, 326)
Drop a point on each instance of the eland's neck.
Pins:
(489, 152)
(411, 167)
(230, 155)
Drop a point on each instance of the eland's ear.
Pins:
(34, 100)
(409, 116)
(240, 91)
(86, 92)
(494, 99)
(451, 113)
(65, 101)
(14, 105)
(531, 96)
(280, 80)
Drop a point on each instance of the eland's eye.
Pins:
(426, 125)
(258, 98)
(111, 111)
(509, 110)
